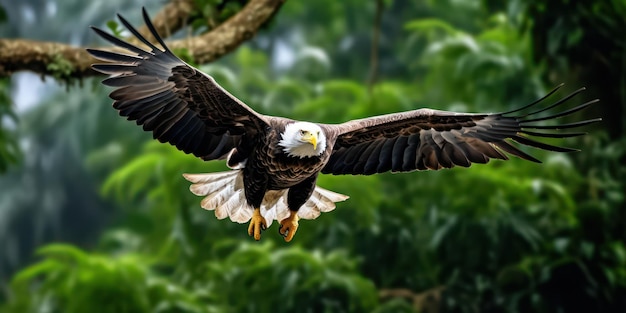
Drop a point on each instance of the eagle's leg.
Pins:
(257, 224)
(289, 226)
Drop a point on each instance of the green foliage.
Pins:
(185, 55)
(471, 64)
(248, 278)
(395, 306)
(286, 280)
(73, 280)
(588, 37)
(208, 14)
(115, 28)
(9, 149)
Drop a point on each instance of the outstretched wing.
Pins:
(177, 102)
(430, 139)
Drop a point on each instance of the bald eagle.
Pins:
(275, 161)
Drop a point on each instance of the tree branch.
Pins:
(172, 17)
(68, 62)
(428, 301)
(230, 34)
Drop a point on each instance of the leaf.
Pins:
(63, 252)
(46, 266)
(430, 25)
(114, 27)
(135, 176)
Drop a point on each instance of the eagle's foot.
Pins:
(289, 226)
(257, 224)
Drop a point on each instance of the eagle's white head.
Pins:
(303, 139)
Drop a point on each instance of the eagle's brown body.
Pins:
(268, 167)
(274, 178)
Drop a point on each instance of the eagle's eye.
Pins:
(318, 133)
(302, 132)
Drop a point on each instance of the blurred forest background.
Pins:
(96, 217)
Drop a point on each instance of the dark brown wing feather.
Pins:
(177, 102)
(430, 139)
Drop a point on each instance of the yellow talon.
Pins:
(289, 226)
(257, 224)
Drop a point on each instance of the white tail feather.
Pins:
(223, 192)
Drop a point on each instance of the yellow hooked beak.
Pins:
(311, 138)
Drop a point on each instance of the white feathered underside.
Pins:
(223, 192)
